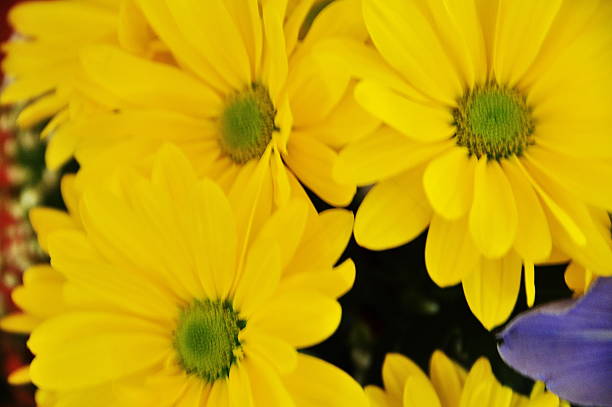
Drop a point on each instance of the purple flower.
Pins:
(567, 345)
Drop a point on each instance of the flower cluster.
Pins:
(191, 267)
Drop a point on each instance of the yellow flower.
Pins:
(243, 87)
(448, 385)
(498, 138)
(43, 55)
(175, 295)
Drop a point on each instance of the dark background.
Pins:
(393, 307)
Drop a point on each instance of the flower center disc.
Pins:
(206, 339)
(494, 121)
(247, 124)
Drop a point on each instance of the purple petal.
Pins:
(567, 345)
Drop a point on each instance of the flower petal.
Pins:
(393, 213)
(415, 120)
(301, 318)
(449, 256)
(448, 182)
(493, 217)
(491, 290)
(568, 345)
(313, 163)
(383, 154)
(522, 26)
(400, 29)
(316, 383)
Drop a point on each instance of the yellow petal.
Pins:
(275, 66)
(248, 21)
(316, 383)
(260, 277)
(267, 387)
(399, 29)
(393, 213)
(333, 283)
(383, 154)
(42, 300)
(522, 27)
(347, 121)
(396, 370)
(560, 213)
(448, 182)
(447, 378)
(480, 376)
(239, 388)
(364, 62)
(250, 199)
(460, 31)
(134, 32)
(529, 282)
(341, 19)
(107, 285)
(159, 16)
(70, 194)
(61, 147)
(193, 395)
(47, 220)
(42, 108)
(583, 176)
(415, 120)
(313, 163)
(314, 90)
(219, 395)
(577, 278)
(20, 323)
(376, 396)
(114, 354)
(20, 376)
(203, 25)
(273, 350)
(493, 217)
(571, 21)
(301, 318)
(286, 227)
(214, 238)
(533, 239)
(324, 241)
(449, 255)
(544, 400)
(280, 179)
(149, 84)
(40, 20)
(418, 392)
(491, 290)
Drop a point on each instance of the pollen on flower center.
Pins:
(206, 339)
(495, 121)
(247, 124)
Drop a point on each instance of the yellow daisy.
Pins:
(243, 87)
(175, 295)
(42, 58)
(498, 139)
(448, 385)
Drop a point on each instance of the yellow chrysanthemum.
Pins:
(168, 293)
(498, 139)
(243, 87)
(448, 385)
(42, 59)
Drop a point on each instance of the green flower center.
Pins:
(206, 339)
(495, 121)
(247, 124)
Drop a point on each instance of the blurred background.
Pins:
(393, 307)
